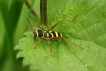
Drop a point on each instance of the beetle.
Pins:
(49, 35)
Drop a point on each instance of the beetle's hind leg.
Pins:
(62, 21)
(50, 47)
(72, 43)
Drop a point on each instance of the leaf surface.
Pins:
(87, 31)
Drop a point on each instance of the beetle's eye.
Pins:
(34, 33)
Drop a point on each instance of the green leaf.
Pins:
(11, 16)
(23, 23)
(15, 11)
(87, 31)
(53, 6)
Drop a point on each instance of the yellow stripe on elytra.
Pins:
(60, 35)
(47, 34)
(52, 35)
(50, 31)
(43, 33)
(56, 34)
(37, 33)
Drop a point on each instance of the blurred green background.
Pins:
(13, 23)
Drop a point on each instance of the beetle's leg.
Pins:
(50, 47)
(64, 21)
(71, 42)
(37, 44)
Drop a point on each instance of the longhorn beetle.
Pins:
(49, 34)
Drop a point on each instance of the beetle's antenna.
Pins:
(30, 24)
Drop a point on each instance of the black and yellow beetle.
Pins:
(49, 34)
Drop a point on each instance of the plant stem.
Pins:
(43, 11)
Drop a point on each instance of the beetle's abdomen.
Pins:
(55, 34)
(47, 34)
(51, 34)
